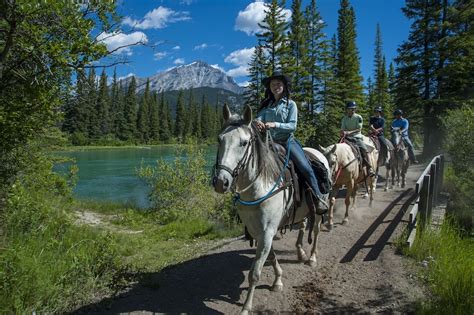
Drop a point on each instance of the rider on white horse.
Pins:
(351, 126)
(279, 114)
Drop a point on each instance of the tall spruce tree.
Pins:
(143, 116)
(102, 106)
(254, 93)
(114, 104)
(154, 121)
(348, 64)
(190, 113)
(129, 128)
(273, 36)
(180, 122)
(380, 74)
(91, 101)
(165, 127)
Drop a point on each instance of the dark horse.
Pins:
(400, 160)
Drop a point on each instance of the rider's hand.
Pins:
(260, 125)
(343, 133)
(270, 125)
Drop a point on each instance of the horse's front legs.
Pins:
(263, 249)
(299, 243)
(349, 193)
(387, 178)
(332, 204)
(277, 284)
(314, 250)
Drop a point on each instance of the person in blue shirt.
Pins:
(279, 114)
(377, 126)
(403, 124)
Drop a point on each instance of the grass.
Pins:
(450, 269)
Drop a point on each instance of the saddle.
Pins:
(355, 149)
(375, 140)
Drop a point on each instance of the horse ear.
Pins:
(226, 112)
(333, 150)
(247, 115)
(321, 148)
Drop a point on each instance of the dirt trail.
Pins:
(358, 271)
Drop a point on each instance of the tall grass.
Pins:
(450, 269)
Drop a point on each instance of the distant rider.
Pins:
(403, 125)
(351, 126)
(377, 125)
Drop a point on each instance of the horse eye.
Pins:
(244, 143)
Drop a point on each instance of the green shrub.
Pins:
(47, 264)
(180, 189)
(450, 268)
(79, 138)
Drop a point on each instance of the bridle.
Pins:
(248, 154)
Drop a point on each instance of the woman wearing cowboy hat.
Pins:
(279, 114)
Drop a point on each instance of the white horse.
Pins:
(400, 161)
(346, 170)
(247, 166)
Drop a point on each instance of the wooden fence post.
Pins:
(424, 201)
(441, 174)
(432, 191)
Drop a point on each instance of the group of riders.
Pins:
(279, 115)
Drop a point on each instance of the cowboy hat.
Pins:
(278, 76)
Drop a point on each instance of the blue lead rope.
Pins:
(267, 195)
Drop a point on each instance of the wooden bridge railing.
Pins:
(428, 187)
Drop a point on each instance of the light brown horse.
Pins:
(347, 170)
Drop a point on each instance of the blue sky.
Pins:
(221, 32)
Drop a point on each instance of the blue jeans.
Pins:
(411, 153)
(303, 166)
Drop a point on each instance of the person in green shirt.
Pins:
(351, 126)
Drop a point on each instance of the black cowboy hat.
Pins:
(351, 104)
(279, 76)
(378, 109)
(397, 112)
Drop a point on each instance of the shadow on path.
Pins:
(182, 288)
(360, 244)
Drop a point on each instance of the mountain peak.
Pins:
(194, 75)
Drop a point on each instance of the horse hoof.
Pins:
(277, 287)
(330, 226)
(302, 257)
(311, 263)
(244, 312)
(345, 221)
(385, 189)
(365, 196)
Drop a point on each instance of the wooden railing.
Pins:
(428, 187)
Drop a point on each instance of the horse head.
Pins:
(234, 146)
(330, 154)
(396, 138)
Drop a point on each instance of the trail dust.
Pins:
(358, 270)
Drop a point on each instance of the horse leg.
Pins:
(386, 178)
(299, 243)
(332, 204)
(347, 201)
(263, 249)
(277, 284)
(314, 249)
(371, 191)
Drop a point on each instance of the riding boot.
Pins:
(365, 159)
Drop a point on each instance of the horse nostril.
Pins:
(226, 183)
(214, 181)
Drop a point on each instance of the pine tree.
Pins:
(371, 97)
(254, 92)
(380, 74)
(154, 121)
(273, 36)
(143, 117)
(115, 109)
(102, 107)
(206, 119)
(129, 131)
(180, 123)
(197, 131)
(119, 108)
(93, 128)
(296, 60)
(165, 127)
(190, 112)
(348, 64)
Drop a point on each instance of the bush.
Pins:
(47, 264)
(79, 138)
(450, 269)
(180, 189)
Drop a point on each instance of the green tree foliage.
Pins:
(180, 124)
(348, 64)
(129, 129)
(143, 116)
(380, 74)
(154, 121)
(165, 119)
(254, 92)
(273, 36)
(102, 107)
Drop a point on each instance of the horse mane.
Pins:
(267, 160)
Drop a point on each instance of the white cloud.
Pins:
(216, 66)
(160, 55)
(248, 19)
(120, 43)
(240, 71)
(200, 47)
(240, 57)
(157, 18)
(126, 76)
(179, 61)
(188, 2)
(177, 47)
(244, 84)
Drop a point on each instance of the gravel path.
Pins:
(358, 271)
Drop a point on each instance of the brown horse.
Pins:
(347, 170)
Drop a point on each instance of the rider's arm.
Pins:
(291, 119)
